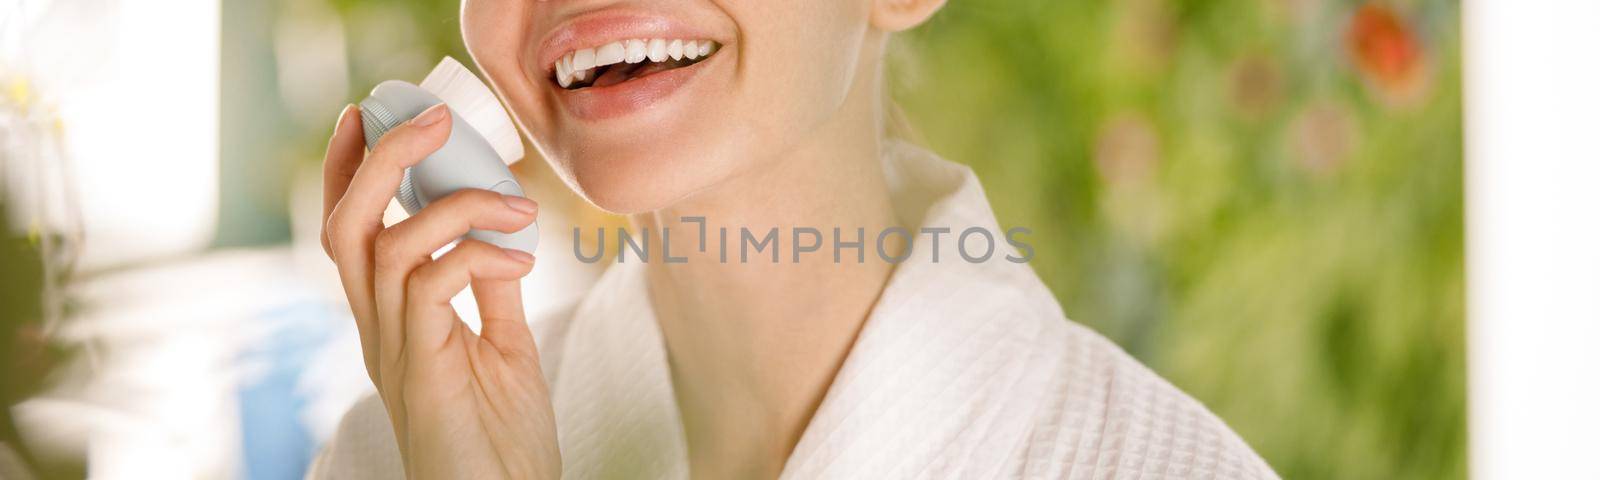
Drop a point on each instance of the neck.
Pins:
(754, 345)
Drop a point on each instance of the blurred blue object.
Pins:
(272, 406)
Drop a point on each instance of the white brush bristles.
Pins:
(471, 99)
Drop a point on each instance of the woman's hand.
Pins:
(463, 405)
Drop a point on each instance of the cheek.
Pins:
(496, 36)
(800, 57)
(491, 26)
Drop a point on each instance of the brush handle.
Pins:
(466, 160)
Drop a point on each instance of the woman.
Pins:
(824, 366)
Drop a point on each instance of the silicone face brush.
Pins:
(482, 143)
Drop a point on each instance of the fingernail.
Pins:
(521, 204)
(430, 116)
(518, 255)
(344, 114)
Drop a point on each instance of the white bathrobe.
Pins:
(962, 370)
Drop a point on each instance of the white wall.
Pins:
(134, 86)
(1533, 236)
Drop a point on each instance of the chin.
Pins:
(624, 184)
(631, 180)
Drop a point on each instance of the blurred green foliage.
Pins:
(1238, 193)
(1262, 199)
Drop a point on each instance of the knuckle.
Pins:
(392, 153)
(471, 249)
(481, 195)
(334, 224)
(469, 197)
(403, 142)
(386, 247)
(422, 278)
(336, 230)
(390, 144)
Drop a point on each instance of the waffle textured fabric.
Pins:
(962, 370)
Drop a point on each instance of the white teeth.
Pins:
(636, 51)
(609, 54)
(583, 59)
(658, 50)
(579, 65)
(563, 73)
(675, 49)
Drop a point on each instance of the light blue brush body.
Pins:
(466, 160)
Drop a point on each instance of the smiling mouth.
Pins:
(625, 60)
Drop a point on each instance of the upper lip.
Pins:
(601, 27)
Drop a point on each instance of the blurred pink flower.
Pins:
(1144, 35)
(1256, 84)
(1127, 154)
(1322, 137)
(1126, 149)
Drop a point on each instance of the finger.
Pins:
(429, 317)
(407, 245)
(339, 164)
(399, 249)
(504, 321)
(447, 219)
(345, 151)
(358, 216)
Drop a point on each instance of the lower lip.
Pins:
(612, 101)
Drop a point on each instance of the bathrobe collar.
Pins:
(946, 350)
